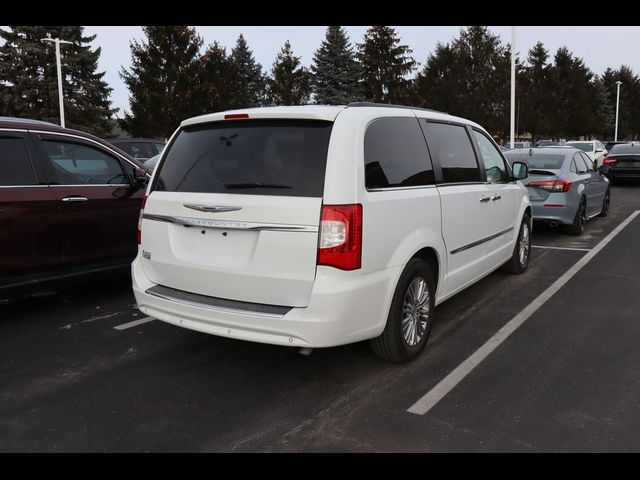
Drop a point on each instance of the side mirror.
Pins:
(604, 169)
(141, 179)
(520, 170)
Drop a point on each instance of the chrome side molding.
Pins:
(210, 208)
(230, 224)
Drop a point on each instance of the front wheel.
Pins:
(520, 258)
(410, 316)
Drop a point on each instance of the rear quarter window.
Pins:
(254, 157)
(396, 155)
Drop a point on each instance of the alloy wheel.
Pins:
(415, 312)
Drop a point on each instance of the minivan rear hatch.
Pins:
(234, 210)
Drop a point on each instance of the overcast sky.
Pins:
(600, 47)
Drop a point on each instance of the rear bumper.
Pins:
(344, 307)
(564, 215)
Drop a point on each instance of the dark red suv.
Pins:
(69, 203)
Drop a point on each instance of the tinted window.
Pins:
(587, 161)
(584, 146)
(79, 164)
(15, 166)
(493, 162)
(580, 164)
(396, 155)
(451, 146)
(539, 161)
(258, 157)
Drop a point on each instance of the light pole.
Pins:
(513, 84)
(57, 41)
(615, 138)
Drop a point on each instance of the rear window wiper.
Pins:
(254, 185)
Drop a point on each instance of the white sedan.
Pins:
(594, 148)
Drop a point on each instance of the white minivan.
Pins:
(316, 226)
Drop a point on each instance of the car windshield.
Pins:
(539, 161)
(584, 146)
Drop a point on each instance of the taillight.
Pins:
(144, 201)
(340, 244)
(552, 185)
(609, 161)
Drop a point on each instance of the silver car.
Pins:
(564, 186)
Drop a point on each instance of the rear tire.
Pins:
(410, 316)
(521, 252)
(577, 227)
(605, 204)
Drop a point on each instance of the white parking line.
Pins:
(431, 398)
(135, 323)
(562, 248)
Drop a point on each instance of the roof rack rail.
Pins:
(391, 105)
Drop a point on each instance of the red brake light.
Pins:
(609, 161)
(340, 244)
(144, 201)
(235, 116)
(552, 185)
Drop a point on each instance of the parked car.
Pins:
(593, 148)
(609, 145)
(69, 203)
(317, 226)
(564, 188)
(151, 163)
(623, 161)
(518, 145)
(548, 143)
(139, 148)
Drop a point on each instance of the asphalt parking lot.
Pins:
(82, 370)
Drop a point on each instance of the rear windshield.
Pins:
(585, 147)
(625, 149)
(255, 157)
(540, 161)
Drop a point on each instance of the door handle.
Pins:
(496, 197)
(484, 199)
(75, 199)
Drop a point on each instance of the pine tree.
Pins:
(218, 79)
(289, 81)
(250, 85)
(385, 65)
(336, 72)
(629, 113)
(470, 77)
(161, 82)
(535, 91)
(29, 82)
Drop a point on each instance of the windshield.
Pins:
(255, 157)
(584, 146)
(539, 161)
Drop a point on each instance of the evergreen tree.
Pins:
(161, 80)
(629, 113)
(218, 79)
(29, 82)
(336, 72)
(534, 92)
(385, 65)
(250, 83)
(571, 97)
(470, 78)
(289, 81)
